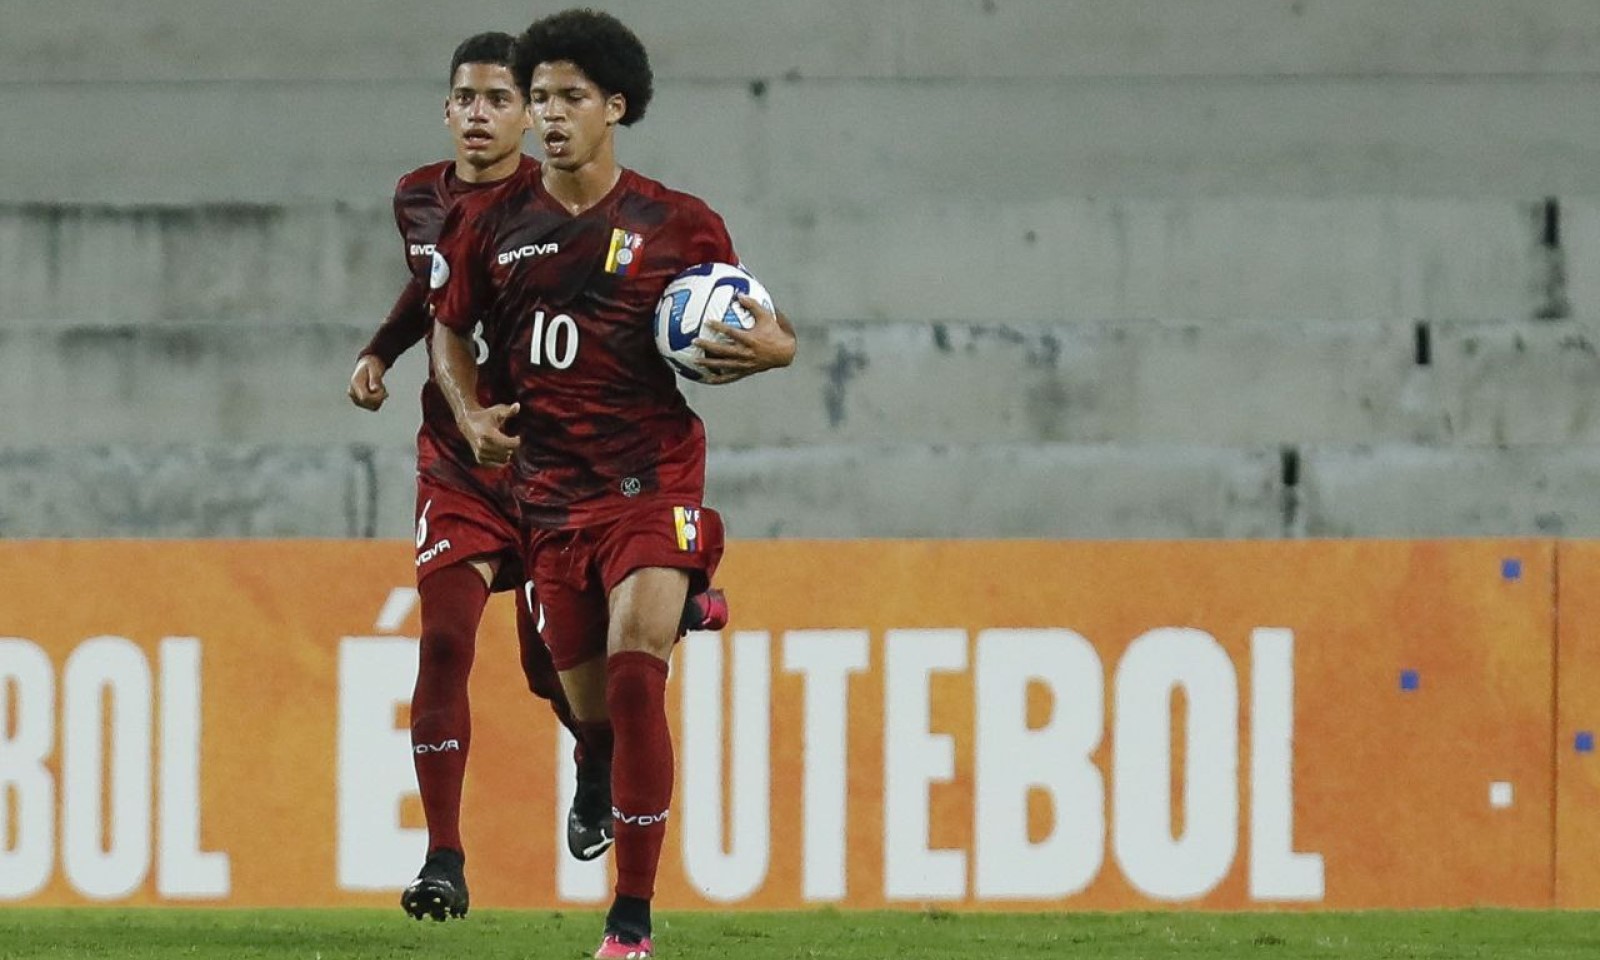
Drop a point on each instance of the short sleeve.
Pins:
(458, 282)
(706, 238)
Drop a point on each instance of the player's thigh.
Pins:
(646, 608)
(569, 602)
(572, 624)
(537, 668)
(650, 559)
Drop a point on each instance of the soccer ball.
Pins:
(700, 293)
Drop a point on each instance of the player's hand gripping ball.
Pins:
(703, 292)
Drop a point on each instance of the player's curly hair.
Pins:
(494, 47)
(597, 43)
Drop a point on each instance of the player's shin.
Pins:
(642, 767)
(441, 720)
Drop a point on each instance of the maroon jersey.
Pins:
(569, 301)
(421, 200)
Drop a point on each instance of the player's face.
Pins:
(487, 116)
(571, 116)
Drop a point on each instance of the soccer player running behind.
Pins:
(466, 519)
(467, 537)
(564, 266)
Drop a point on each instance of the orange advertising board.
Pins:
(983, 725)
(1577, 724)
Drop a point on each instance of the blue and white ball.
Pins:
(700, 293)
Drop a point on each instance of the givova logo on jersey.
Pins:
(525, 251)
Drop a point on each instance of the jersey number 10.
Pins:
(555, 344)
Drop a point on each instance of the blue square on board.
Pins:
(1410, 679)
(1584, 741)
(1511, 568)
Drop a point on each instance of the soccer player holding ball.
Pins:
(467, 520)
(564, 266)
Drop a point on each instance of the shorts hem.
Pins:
(509, 562)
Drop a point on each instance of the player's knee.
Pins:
(644, 630)
(444, 648)
(627, 688)
(630, 639)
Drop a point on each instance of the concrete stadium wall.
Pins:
(1236, 383)
(801, 147)
(1139, 428)
(192, 100)
(1243, 268)
(824, 39)
(965, 262)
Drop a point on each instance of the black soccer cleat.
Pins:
(440, 890)
(589, 822)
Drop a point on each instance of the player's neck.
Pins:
(581, 188)
(499, 170)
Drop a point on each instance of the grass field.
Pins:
(489, 935)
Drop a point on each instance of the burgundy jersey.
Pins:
(569, 301)
(421, 200)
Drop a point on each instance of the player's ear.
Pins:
(616, 108)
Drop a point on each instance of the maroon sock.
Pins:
(441, 721)
(543, 680)
(641, 767)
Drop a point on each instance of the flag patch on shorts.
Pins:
(687, 520)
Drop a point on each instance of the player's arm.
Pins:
(455, 370)
(458, 290)
(407, 323)
(769, 344)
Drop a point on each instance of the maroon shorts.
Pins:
(456, 525)
(575, 568)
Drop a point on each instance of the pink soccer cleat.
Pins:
(615, 947)
(704, 611)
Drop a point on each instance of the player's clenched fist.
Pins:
(366, 383)
(484, 430)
